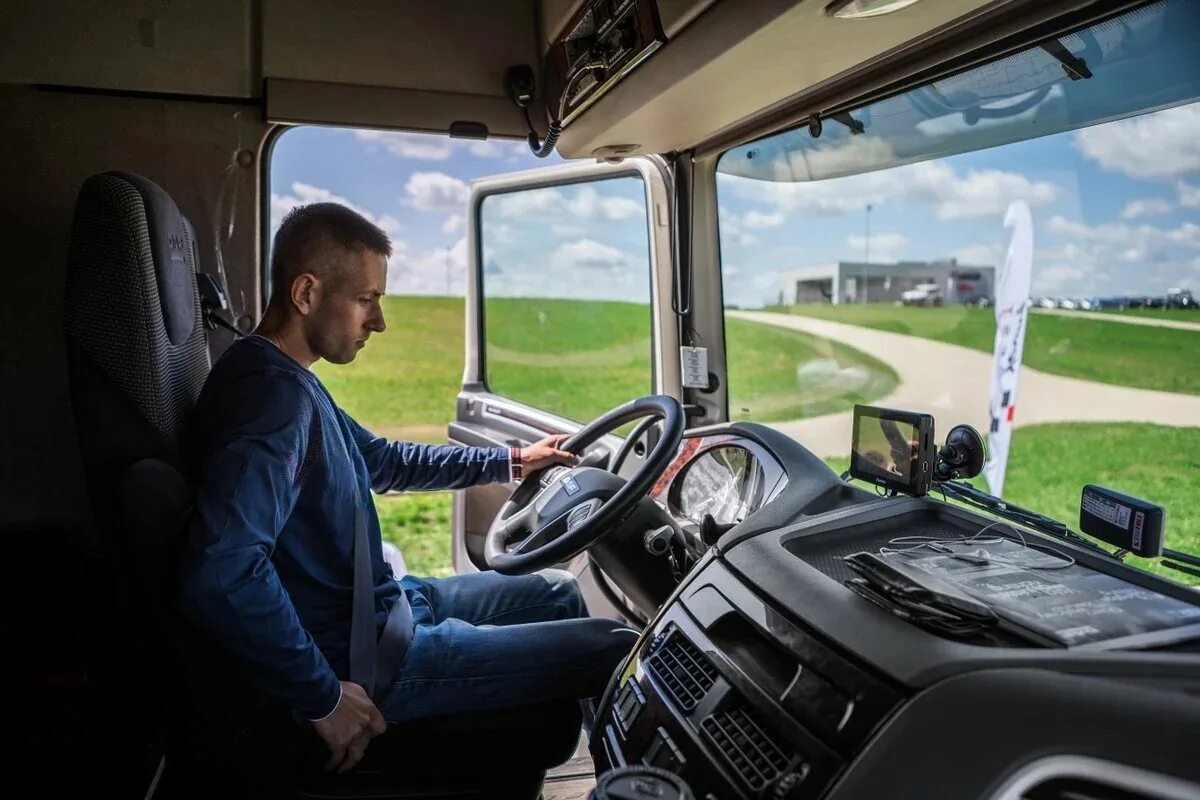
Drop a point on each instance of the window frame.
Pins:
(664, 338)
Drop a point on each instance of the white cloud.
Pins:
(436, 146)
(421, 146)
(583, 203)
(884, 246)
(439, 271)
(1122, 235)
(1114, 257)
(436, 191)
(757, 219)
(1049, 279)
(568, 230)
(979, 255)
(1155, 146)
(452, 223)
(1145, 207)
(854, 155)
(305, 193)
(977, 193)
(589, 254)
(1189, 196)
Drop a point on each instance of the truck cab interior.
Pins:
(792, 640)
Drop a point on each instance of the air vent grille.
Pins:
(685, 672)
(741, 738)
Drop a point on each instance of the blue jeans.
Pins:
(486, 641)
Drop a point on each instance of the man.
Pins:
(283, 479)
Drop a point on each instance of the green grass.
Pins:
(419, 524)
(1174, 314)
(1141, 460)
(404, 382)
(1128, 355)
(775, 375)
(578, 359)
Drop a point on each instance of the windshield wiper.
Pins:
(978, 498)
(966, 493)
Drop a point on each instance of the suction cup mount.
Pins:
(962, 456)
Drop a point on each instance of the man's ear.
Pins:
(305, 293)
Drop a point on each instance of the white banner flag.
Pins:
(1012, 310)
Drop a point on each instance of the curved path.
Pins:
(927, 370)
(1125, 319)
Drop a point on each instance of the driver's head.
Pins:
(328, 272)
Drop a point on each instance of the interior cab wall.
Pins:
(53, 141)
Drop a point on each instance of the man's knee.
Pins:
(564, 588)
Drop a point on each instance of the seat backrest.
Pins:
(137, 359)
(136, 338)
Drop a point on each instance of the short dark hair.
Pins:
(312, 237)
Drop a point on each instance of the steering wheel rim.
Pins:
(542, 513)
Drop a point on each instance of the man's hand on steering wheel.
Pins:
(545, 452)
(545, 524)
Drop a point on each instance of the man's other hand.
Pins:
(350, 727)
(542, 454)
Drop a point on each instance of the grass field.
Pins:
(578, 359)
(1129, 355)
(1141, 460)
(1173, 314)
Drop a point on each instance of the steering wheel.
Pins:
(555, 514)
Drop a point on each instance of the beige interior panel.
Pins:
(204, 47)
(735, 59)
(295, 102)
(461, 47)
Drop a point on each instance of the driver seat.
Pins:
(173, 713)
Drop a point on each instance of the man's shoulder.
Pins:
(250, 379)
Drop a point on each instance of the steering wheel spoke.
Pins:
(557, 513)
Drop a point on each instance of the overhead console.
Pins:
(602, 43)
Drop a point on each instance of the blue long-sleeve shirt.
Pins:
(269, 569)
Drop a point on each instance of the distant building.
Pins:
(847, 281)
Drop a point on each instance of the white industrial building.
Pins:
(847, 281)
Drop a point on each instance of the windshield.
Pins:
(1016, 248)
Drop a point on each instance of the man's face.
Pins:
(347, 310)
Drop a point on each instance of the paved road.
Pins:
(1128, 319)
(951, 382)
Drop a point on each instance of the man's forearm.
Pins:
(403, 466)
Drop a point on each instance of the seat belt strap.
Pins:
(374, 664)
(363, 655)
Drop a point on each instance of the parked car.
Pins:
(923, 294)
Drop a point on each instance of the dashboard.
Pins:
(727, 476)
(764, 676)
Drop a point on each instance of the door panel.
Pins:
(571, 265)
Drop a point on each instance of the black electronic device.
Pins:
(601, 44)
(893, 449)
(962, 456)
(1128, 522)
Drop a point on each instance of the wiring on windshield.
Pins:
(966, 493)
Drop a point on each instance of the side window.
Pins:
(566, 294)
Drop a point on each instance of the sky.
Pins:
(1116, 210)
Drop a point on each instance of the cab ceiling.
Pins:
(422, 64)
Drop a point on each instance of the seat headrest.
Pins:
(172, 243)
(132, 305)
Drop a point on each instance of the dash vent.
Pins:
(744, 742)
(685, 672)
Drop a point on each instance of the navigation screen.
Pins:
(893, 449)
(885, 447)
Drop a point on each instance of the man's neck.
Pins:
(287, 336)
